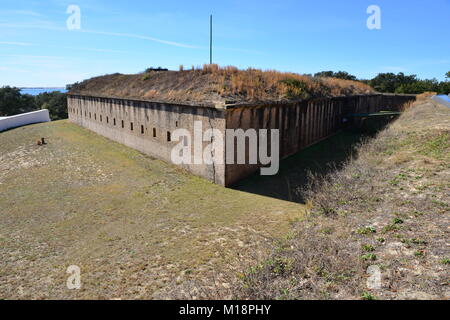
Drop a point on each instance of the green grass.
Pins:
(129, 221)
(369, 257)
(368, 296)
(368, 248)
(366, 230)
(437, 146)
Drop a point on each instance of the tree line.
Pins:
(396, 83)
(13, 102)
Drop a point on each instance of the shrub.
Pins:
(55, 102)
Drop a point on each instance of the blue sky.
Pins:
(37, 49)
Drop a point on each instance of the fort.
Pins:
(147, 123)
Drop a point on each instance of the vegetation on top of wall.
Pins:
(12, 102)
(296, 89)
(213, 84)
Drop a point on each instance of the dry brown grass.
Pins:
(212, 84)
(426, 95)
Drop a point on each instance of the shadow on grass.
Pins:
(320, 158)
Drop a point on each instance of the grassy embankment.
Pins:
(387, 207)
(137, 227)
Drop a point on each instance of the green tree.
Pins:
(12, 102)
(391, 82)
(444, 87)
(340, 75)
(447, 75)
(55, 102)
(324, 74)
(344, 75)
(419, 86)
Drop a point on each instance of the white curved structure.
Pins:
(24, 119)
(443, 99)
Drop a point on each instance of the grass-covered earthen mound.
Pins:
(212, 85)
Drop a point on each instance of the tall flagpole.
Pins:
(210, 39)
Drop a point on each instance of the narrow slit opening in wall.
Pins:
(176, 124)
(95, 116)
(154, 132)
(114, 121)
(142, 129)
(131, 126)
(101, 118)
(107, 119)
(168, 136)
(123, 124)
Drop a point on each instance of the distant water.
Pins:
(36, 91)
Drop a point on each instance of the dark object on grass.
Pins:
(41, 142)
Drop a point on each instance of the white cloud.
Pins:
(12, 69)
(11, 43)
(28, 44)
(22, 12)
(30, 56)
(115, 34)
(137, 36)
